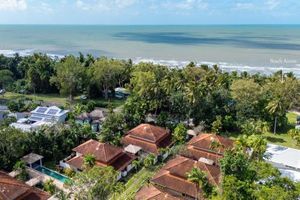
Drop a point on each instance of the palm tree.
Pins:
(136, 164)
(275, 107)
(242, 143)
(258, 146)
(149, 161)
(89, 161)
(200, 179)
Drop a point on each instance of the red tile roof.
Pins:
(105, 154)
(196, 154)
(148, 133)
(173, 175)
(153, 193)
(13, 189)
(202, 146)
(76, 162)
(204, 141)
(123, 161)
(150, 138)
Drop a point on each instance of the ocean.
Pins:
(253, 48)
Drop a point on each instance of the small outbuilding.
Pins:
(33, 160)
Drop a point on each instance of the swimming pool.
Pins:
(52, 173)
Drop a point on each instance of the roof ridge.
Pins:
(86, 142)
(105, 150)
(185, 159)
(151, 130)
(198, 138)
(206, 167)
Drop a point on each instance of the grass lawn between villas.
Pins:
(283, 138)
(136, 182)
(58, 99)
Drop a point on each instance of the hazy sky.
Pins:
(149, 11)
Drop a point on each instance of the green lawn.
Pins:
(59, 99)
(135, 183)
(283, 138)
(280, 138)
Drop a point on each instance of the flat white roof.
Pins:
(283, 155)
(132, 149)
(23, 127)
(292, 174)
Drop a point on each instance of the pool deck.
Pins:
(41, 177)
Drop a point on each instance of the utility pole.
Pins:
(275, 124)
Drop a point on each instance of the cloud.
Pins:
(185, 4)
(45, 7)
(104, 5)
(12, 5)
(272, 4)
(266, 5)
(244, 6)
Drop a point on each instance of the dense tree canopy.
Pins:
(39, 69)
(95, 183)
(222, 101)
(54, 143)
(69, 77)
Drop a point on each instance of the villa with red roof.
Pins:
(172, 179)
(105, 154)
(171, 183)
(148, 138)
(13, 189)
(208, 146)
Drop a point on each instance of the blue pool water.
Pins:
(52, 173)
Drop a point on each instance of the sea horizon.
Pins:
(263, 48)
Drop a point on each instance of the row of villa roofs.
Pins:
(169, 183)
(143, 139)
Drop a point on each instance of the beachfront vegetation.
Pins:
(225, 102)
(246, 178)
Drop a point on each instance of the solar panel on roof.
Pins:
(35, 119)
(52, 112)
(37, 115)
(41, 110)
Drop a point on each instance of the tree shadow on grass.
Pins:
(275, 140)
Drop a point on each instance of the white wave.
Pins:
(171, 63)
(224, 66)
(11, 53)
(55, 56)
(27, 52)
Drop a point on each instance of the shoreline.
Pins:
(224, 66)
